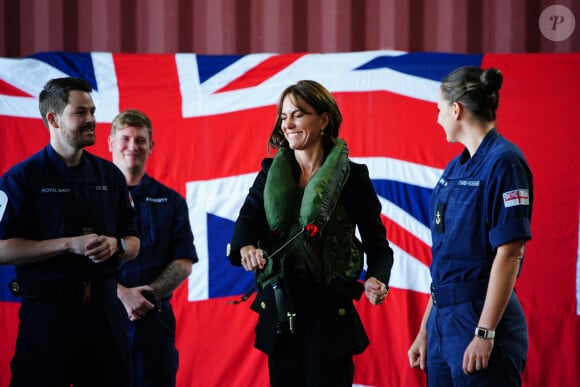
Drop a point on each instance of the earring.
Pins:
(322, 131)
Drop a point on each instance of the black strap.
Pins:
(83, 291)
(252, 289)
(245, 297)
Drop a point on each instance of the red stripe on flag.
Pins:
(149, 83)
(413, 245)
(9, 328)
(215, 341)
(22, 138)
(385, 124)
(7, 89)
(262, 72)
(391, 328)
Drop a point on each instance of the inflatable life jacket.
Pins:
(311, 223)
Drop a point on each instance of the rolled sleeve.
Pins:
(515, 230)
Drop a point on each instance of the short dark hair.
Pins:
(54, 95)
(317, 96)
(474, 88)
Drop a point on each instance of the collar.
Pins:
(142, 187)
(482, 149)
(59, 163)
(316, 204)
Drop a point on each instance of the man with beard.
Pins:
(67, 223)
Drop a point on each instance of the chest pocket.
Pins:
(464, 209)
(457, 210)
(155, 216)
(55, 213)
(97, 207)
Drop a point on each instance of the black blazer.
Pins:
(322, 313)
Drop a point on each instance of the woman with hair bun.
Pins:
(474, 331)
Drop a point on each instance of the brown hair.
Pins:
(476, 89)
(317, 96)
(132, 118)
(54, 95)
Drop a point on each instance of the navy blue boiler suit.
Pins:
(479, 204)
(166, 235)
(63, 338)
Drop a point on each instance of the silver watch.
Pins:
(484, 333)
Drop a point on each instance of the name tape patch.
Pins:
(156, 200)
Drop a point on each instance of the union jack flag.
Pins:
(212, 116)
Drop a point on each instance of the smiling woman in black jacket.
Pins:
(296, 230)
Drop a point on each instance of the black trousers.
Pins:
(300, 363)
(64, 343)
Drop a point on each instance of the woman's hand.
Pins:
(477, 354)
(252, 258)
(375, 290)
(418, 351)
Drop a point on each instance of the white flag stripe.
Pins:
(338, 76)
(232, 72)
(189, 84)
(37, 74)
(106, 97)
(408, 272)
(12, 71)
(19, 106)
(325, 67)
(406, 221)
(386, 168)
(221, 197)
(267, 93)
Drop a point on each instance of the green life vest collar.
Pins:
(281, 192)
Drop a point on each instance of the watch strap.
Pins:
(484, 333)
(121, 246)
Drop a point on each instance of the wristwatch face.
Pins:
(481, 332)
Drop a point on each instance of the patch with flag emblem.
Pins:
(517, 197)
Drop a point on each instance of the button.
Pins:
(263, 305)
(341, 312)
(15, 287)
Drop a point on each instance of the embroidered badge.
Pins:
(517, 197)
(439, 216)
(3, 203)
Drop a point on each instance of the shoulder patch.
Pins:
(517, 197)
(3, 203)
